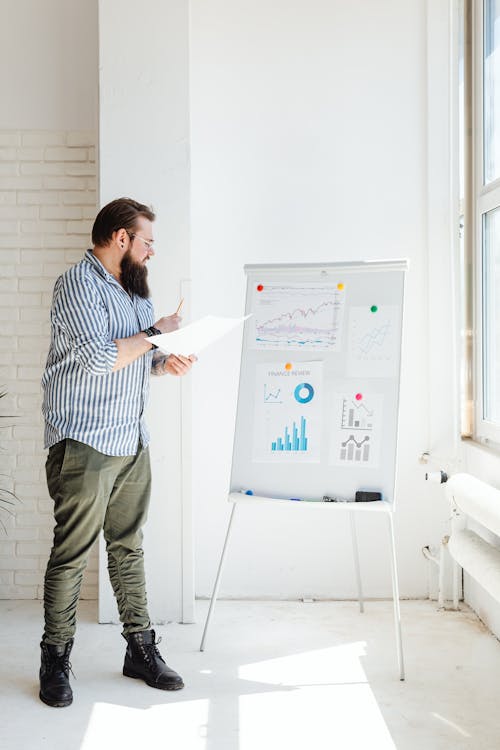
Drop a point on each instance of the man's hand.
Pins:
(176, 364)
(169, 323)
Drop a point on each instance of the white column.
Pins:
(144, 154)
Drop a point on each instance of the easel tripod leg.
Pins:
(217, 580)
(356, 562)
(395, 596)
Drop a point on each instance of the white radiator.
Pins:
(470, 498)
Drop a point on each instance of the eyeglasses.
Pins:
(149, 245)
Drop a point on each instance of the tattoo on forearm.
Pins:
(158, 364)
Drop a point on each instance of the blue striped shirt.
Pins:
(82, 398)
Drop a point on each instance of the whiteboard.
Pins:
(318, 397)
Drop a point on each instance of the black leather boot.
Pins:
(55, 689)
(144, 661)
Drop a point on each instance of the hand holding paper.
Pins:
(176, 364)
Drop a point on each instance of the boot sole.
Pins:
(55, 704)
(173, 686)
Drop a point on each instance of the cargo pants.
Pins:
(94, 492)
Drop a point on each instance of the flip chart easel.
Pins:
(318, 398)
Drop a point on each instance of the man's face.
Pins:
(133, 266)
(142, 240)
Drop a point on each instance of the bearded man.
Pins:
(95, 389)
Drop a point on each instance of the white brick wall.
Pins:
(47, 206)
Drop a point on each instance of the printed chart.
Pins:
(357, 427)
(297, 316)
(373, 341)
(288, 413)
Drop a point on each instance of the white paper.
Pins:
(298, 316)
(373, 342)
(288, 413)
(194, 337)
(357, 423)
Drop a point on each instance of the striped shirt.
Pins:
(82, 398)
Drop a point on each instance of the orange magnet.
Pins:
(288, 366)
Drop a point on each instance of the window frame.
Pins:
(486, 197)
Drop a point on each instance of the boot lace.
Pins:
(59, 663)
(151, 653)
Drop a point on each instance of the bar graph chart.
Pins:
(356, 416)
(292, 440)
(355, 451)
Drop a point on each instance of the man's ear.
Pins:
(120, 237)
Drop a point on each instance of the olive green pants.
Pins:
(92, 491)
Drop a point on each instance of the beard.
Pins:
(134, 277)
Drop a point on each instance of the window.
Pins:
(491, 90)
(491, 315)
(485, 216)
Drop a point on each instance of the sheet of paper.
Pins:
(288, 413)
(298, 316)
(197, 336)
(356, 430)
(373, 341)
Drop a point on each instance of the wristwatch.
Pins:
(152, 331)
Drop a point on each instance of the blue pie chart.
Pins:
(304, 393)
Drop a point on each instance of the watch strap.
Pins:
(152, 331)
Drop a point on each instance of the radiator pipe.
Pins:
(437, 477)
(439, 562)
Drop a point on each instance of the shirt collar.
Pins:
(94, 260)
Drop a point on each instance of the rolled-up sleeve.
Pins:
(81, 315)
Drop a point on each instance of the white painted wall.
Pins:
(309, 143)
(48, 76)
(48, 115)
(143, 125)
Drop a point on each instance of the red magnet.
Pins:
(260, 287)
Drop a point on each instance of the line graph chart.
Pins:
(298, 316)
(272, 396)
(356, 451)
(373, 341)
(376, 337)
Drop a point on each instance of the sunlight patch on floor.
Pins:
(338, 664)
(325, 702)
(177, 725)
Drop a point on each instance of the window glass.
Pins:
(491, 316)
(491, 93)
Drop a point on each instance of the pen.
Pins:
(180, 305)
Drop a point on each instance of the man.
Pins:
(95, 388)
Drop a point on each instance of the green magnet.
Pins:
(374, 308)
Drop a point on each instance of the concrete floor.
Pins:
(280, 675)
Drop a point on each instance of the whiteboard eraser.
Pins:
(363, 496)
